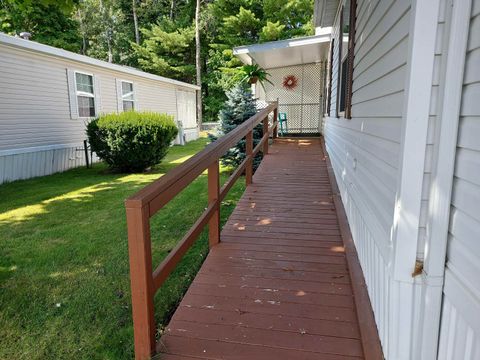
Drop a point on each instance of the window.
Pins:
(346, 53)
(128, 99)
(85, 94)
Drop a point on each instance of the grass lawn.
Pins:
(64, 274)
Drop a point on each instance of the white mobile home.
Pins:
(47, 95)
(401, 123)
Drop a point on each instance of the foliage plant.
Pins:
(253, 73)
(239, 107)
(132, 141)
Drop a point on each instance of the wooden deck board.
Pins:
(278, 286)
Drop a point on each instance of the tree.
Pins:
(242, 27)
(103, 30)
(198, 65)
(295, 15)
(135, 22)
(48, 23)
(272, 31)
(167, 52)
(239, 107)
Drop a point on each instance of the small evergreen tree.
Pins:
(239, 107)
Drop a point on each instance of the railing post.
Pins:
(275, 120)
(265, 131)
(141, 280)
(249, 152)
(213, 197)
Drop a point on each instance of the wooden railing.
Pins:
(143, 205)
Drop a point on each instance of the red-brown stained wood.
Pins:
(213, 196)
(278, 285)
(141, 280)
(249, 154)
(265, 131)
(145, 203)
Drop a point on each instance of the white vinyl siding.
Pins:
(460, 325)
(36, 91)
(35, 103)
(365, 150)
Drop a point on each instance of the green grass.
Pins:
(64, 274)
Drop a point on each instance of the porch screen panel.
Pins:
(303, 103)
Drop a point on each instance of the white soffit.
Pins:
(297, 51)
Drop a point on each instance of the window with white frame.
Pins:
(128, 98)
(85, 93)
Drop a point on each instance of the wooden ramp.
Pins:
(278, 286)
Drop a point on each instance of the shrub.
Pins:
(131, 141)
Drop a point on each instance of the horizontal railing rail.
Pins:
(144, 204)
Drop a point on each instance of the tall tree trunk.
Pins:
(110, 53)
(198, 63)
(82, 29)
(172, 8)
(135, 22)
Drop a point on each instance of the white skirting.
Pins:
(39, 161)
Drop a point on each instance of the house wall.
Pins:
(369, 156)
(460, 322)
(37, 134)
(365, 150)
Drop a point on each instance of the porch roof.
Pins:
(296, 51)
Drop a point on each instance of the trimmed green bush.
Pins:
(132, 141)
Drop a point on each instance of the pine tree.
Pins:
(239, 107)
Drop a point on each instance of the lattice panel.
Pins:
(302, 104)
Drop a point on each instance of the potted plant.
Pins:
(254, 73)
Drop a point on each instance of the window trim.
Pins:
(134, 100)
(351, 57)
(348, 57)
(330, 70)
(85, 94)
(339, 60)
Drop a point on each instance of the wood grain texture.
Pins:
(145, 203)
(278, 285)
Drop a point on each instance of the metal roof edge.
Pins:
(281, 44)
(53, 51)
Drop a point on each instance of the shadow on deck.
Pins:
(284, 283)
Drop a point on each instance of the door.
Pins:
(187, 109)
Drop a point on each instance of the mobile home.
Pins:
(47, 95)
(401, 124)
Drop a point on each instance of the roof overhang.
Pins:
(297, 51)
(325, 12)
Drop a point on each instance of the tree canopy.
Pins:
(158, 36)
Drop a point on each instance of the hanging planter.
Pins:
(290, 82)
(253, 74)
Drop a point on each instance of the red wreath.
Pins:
(290, 82)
